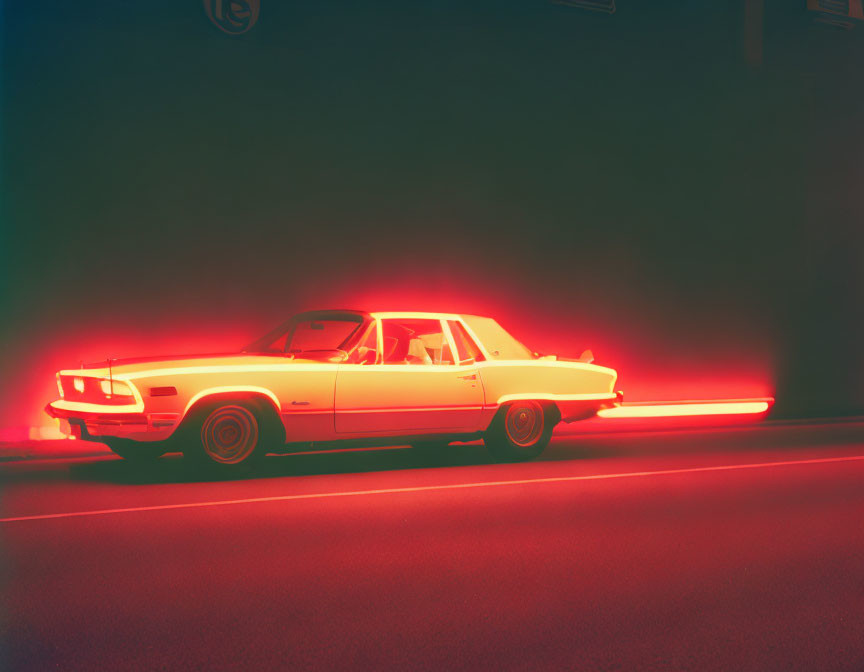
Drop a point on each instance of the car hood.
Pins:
(134, 365)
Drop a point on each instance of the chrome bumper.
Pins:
(89, 425)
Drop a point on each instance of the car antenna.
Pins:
(110, 377)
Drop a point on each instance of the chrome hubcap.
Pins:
(229, 434)
(524, 422)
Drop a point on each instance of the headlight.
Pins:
(115, 388)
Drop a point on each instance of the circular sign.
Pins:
(233, 16)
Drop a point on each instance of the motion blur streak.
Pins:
(738, 407)
(425, 488)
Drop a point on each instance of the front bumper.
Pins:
(94, 425)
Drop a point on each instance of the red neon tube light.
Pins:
(665, 409)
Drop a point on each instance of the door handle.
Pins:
(473, 376)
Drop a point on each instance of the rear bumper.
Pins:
(573, 410)
(95, 425)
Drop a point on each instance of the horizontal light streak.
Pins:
(415, 315)
(685, 408)
(342, 367)
(551, 396)
(87, 407)
(429, 488)
(409, 409)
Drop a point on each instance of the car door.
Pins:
(414, 387)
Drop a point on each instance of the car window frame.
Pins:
(379, 355)
(471, 337)
(445, 330)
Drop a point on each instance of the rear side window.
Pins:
(498, 343)
(415, 341)
(466, 348)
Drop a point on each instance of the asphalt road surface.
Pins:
(734, 549)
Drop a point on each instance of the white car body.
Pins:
(322, 401)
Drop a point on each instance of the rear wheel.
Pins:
(136, 451)
(520, 431)
(227, 435)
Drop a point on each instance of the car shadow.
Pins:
(173, 468)
(565, 446)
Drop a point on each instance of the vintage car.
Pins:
(421, 379)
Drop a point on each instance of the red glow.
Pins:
(681, 408)
(655, 355)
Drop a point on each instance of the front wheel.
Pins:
(520, 431)
(229, 436)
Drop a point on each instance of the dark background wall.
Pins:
(642, 183)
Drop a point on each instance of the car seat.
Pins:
(417, 353)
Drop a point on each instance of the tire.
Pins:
(227, 435)
(520, 431)
(136, 451)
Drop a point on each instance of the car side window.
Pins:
(466, 348)
(415, 341)
(367, 350)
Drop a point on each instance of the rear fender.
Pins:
(568, 407)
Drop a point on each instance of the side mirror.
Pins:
(587, 356)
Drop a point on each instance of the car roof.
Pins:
(386, 314)
(420, 315)
(333, 312)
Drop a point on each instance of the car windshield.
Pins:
(308, 334)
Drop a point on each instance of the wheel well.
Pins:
(553, 413)
(265, 408)
(552, 410)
